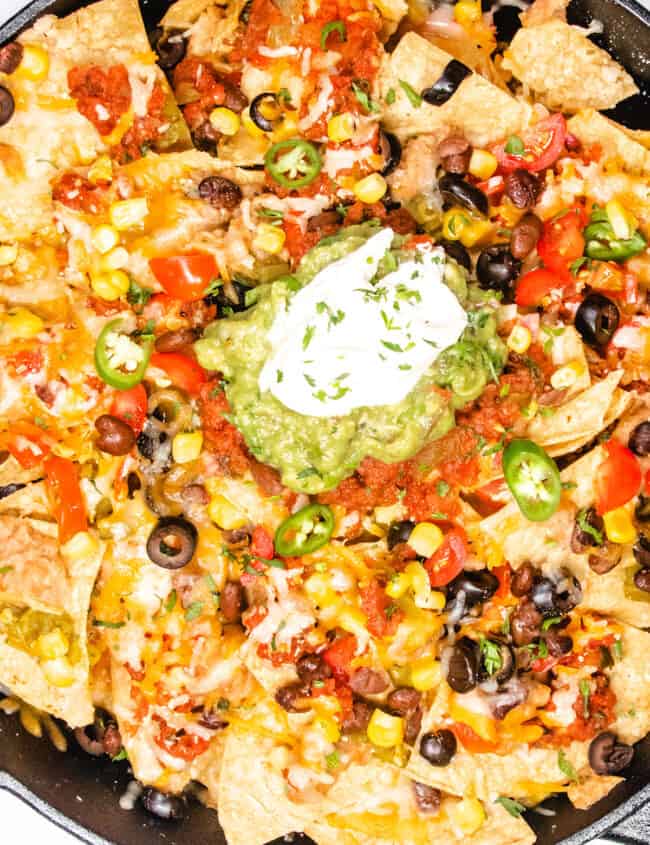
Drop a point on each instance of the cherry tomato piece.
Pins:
(445, 564)
(185, 277)
(130, 406)
(619, 477)
(183, 371)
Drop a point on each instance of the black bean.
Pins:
(455, 153)
(289, 697)
(233, 300)
(597, 319)
(172, 542)
(426, 797)
(522, 580)
(522, 188)
(366, 681)
(7, 105)
(642, 509)
(525, 624)
(325, 218)
(358, 719)
(639, 441)
(412, 725)
(112, 740)
(162, 805)
(220, 192)
(391, 149)
(10, 489)
(133, 484)
(498, 269)
(525, 235)
(399, 532)
(455, 190)
(608, 756)
(438, 747)
(170, 46)
(457, 251)
(543, 596)
(175, 341)
(462, 674)
(641, 550)
(605, 558)
(477, 586)
(11, 55)
(558, 644)
(588, 530)
(231, 602)
(447, 84)
(404, 699)
(115, 436)
(312, 667)
(642, 580)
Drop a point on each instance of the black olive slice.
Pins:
(597, 319)
(399, 532)
(438, 747)
(258, 117)
(391, 149)
(7, 105)
(462, 675)
(607, 755)
(170, 46)
(455, 190)
(172, 542)
(162, 805)
(445, 87)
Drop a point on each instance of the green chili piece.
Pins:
(305, 531)
(114, 373)
(293, 163)
(533, 479)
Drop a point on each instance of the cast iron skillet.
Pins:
(80, 793)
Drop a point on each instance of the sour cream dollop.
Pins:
(348, 341)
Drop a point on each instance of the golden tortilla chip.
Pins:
(617, 144)
(588, 792)
(543, 10)
(479, 110)
(563, 69)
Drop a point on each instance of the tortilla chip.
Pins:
(41, 582)
(47, 133)
(630, 681)
(588, 792)
(617, 144)
(479, 110)
(31, 500)
(582, 418)
(584, 77)
(543, 10)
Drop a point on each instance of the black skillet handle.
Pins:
(634, 830)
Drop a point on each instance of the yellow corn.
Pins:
(81, 546)
(467, 12)
(619, 526)
(384, 730)
(567, 375)
(58, 672)
(250, 126)
(353, 620)
(35, 63)
(116, 259)
(425, 674)
(482, 164)
(468, 815)
(126, 214)
(319, 589)
(425, 539)
(8, 254)
(398, 585)
(622, 221)
(459, 225)
(104, 238)
(111, 285)
(370, 189)
(519, 339)
(186, 446)
(288, 128)
(341, 127)
(269, 238)
(52, 645)
(225, 120)
(19, 324)
(225, 514)
(328, 728)
(101, 170)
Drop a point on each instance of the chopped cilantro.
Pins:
(103, 623)
(137, 295)
(513, 807)
(170, 604)
(279, 375)
(585, 692)
(566, 767)
(364, 98)
(307, 337)
(491, 654)
(389, 99)
(193, 611)
(582, 521)
(413, 97)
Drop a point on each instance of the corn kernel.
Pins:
(225, 120)
(35, 63)
(467, 12)
(425, 674)
(328, 728)
(52, 645)
(341, 127)
(319, 589)
(269, 238)
(398, 585)
(468, 815)
(19, 324)
(126, 214)
(111, 285)
(622, 222)
(116, 259)
(459, 225)
(81, 546)
(420, 585)
(104, 238)
(250, 126)
(619, 526)
(482, 164)
(519, 339)
(58, 672)
(370, 189)
(567, 375)
(225, 514)
(186, 446)
(425, 539)
(384, 730)
(353, 620)
(8, 254)
(101, 170)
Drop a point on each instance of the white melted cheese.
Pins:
(343, 343)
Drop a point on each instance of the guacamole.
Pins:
(314, 454)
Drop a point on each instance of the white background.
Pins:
(15, 815)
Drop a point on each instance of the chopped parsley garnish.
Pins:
(170, 604)
(548, 623)
(617, 648)
(585, 692)
(307, 337)
(279, 375)
(137, 295)
(491, 654)
(251, 296)
(388, 322)
(576, 266)
(214, 592)
(513, 807)
(103, 623)
(389, 99)
(515, 146)
(193, 611)
(566, 767)
(373, 294)
(284, 95)
(223, 704)
(309, 379)
(364, 98)
(505, 625)
(413, 97)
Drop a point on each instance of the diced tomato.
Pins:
(543, 145)
(185, 277)
(131, 407)
(470, 740)
(618, 479)
(339, 655)
(562, 241)
(187, 746)
(445, 564)
(183, 371)
(542, 664)
(102, 95)
(383, 615)
(532, 287)
(26, 442)
(262, 543)
(646, 483)
(503, 573)
(252, 617)
(62, 482)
